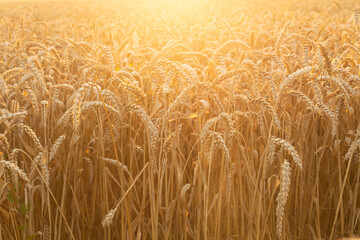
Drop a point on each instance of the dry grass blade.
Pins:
(107, 220)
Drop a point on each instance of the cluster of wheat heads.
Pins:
(131, 122)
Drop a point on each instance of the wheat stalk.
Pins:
(282, 197)
(290, 149)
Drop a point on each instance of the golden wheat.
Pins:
(179, 120)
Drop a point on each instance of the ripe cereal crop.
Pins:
(201, 119)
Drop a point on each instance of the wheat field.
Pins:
(176, 119)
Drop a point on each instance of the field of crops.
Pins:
(179, 120)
